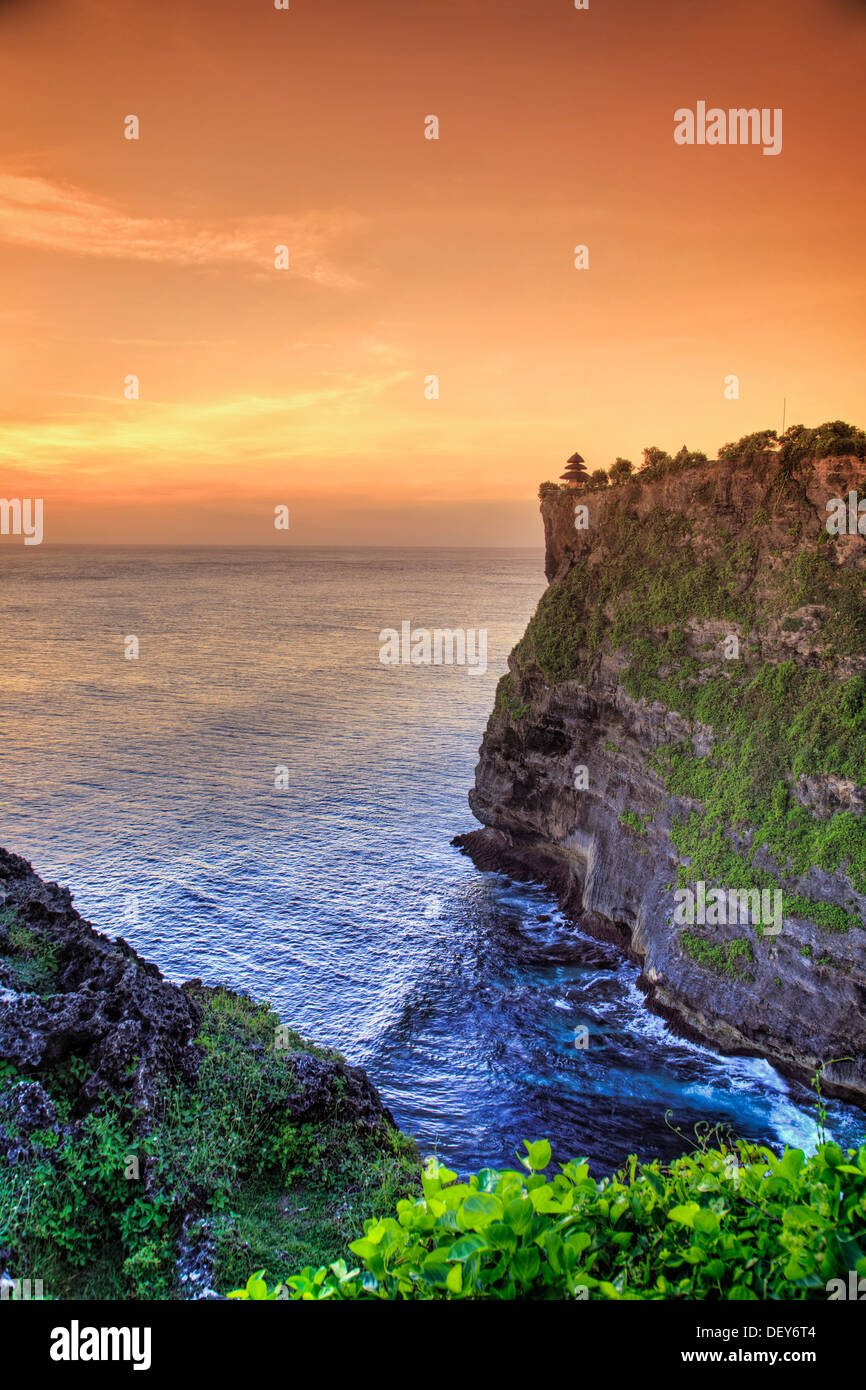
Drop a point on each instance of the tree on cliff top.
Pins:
(798, 445)
(598, 479)
(833, 439)
(575, 471)
(620, 470)
(750, 448)
(655, 461)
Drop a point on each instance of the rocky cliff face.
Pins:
(636, 750)
(195, 1084)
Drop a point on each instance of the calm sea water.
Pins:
(148, 787)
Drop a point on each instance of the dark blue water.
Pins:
(148, 787)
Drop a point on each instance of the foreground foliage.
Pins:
(731, 1222)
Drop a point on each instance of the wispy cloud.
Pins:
(367, 434)
(61, 218)
(153, 438)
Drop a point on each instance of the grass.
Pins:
(312, 1219)
(505, 701)
(728, 1221)
(223, 1145)
(31, 956)
(635, 822)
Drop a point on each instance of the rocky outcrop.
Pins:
(325, 1083)
(571, 790)
(87, 1025)
(100, 1002)
(103, 1003)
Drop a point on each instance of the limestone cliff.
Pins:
(635, 748)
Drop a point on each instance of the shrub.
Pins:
(633, 821)
(597, 479)
(655, 462)
(620, 470)
(750, 448)
(731, 1222)
(687, 458)
(506, 702)
(833, 439)
(723, 959)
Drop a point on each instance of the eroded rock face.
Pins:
(801, 1000)
(326, 1084)
(196, 1257)
(66, 991)
(25, 1108)
(105, 1004)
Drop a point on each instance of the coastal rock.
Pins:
(327, 1083)
(105, 1005)
(196, 1257)
(25, 1108)
(87, 1015)
(601, 839)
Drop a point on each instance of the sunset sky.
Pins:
(409, 257)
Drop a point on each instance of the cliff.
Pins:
(155, 1139)
(636, 749)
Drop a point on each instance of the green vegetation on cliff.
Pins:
(93, 1209)
(272, 1154)
(731, 959)
(666, 590)
(799, 444)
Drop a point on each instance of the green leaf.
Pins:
(468, 1246)
(526, 1263)
(706, 1221)
(800, 1264)
(798, 1218)
(501, 1236)
(440, 1256)
(537, 1154)
(479, 1209)
(364, 1248)
(578, 1241)
(519, 1215)
(684, 1215)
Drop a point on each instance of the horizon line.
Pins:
(234, 545)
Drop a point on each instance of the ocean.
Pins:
(257, 800)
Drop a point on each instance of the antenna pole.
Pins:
(784, 404)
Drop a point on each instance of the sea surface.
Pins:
(148, 786)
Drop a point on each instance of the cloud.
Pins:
(58, 217)
(373, 434)
(152, 438)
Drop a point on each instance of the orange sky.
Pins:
(409, 257)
